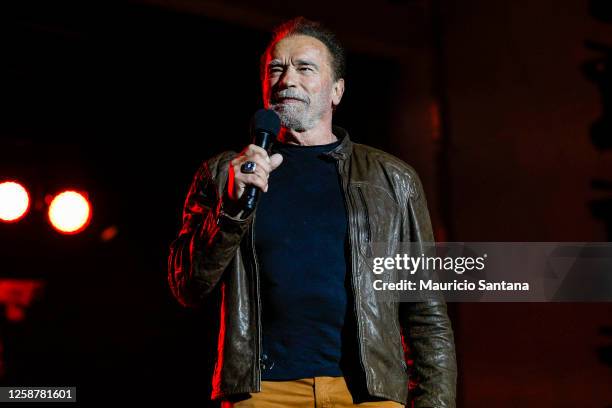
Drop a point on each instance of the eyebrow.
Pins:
(307, 62)
(299, 62)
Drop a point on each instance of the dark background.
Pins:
(502, 107)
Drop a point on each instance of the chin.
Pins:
(293, 125)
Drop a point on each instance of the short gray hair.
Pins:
(303, 26)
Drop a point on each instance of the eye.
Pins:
(305, 69)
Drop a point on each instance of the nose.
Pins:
(288, 78)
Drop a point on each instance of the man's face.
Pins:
(298, 82)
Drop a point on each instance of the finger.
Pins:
(262, 173)
(275, 160)
(254, 150)
(256, 180)
(259, 163)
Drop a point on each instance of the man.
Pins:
(300, 325)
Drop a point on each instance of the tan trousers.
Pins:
(314, 392)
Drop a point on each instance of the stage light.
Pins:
(69, 212)
(14, 201)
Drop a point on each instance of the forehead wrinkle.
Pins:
(310, 46)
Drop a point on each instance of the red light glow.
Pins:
(14, 201)
(69, 212)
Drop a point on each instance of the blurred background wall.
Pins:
(502, 107)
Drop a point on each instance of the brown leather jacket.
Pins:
(385, 203)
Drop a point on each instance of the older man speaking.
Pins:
(300, 324)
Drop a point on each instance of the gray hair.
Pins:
(303, 26)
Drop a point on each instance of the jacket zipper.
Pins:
(353, 263)
(367, 221)
(258, 296)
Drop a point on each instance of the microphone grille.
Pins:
(266, 120)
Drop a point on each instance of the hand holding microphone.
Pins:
(249, 171)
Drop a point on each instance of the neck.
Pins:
(319, 135)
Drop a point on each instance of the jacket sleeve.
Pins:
(426, 325)
(209, 238)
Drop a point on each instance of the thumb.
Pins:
(275, 160)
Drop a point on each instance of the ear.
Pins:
(337, 92)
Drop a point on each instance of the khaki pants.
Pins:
(314, 392)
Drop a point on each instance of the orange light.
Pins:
(14, 201)
(69, 212)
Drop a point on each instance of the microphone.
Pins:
(265, 126)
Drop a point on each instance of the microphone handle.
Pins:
(251, 196)
(264, 140)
